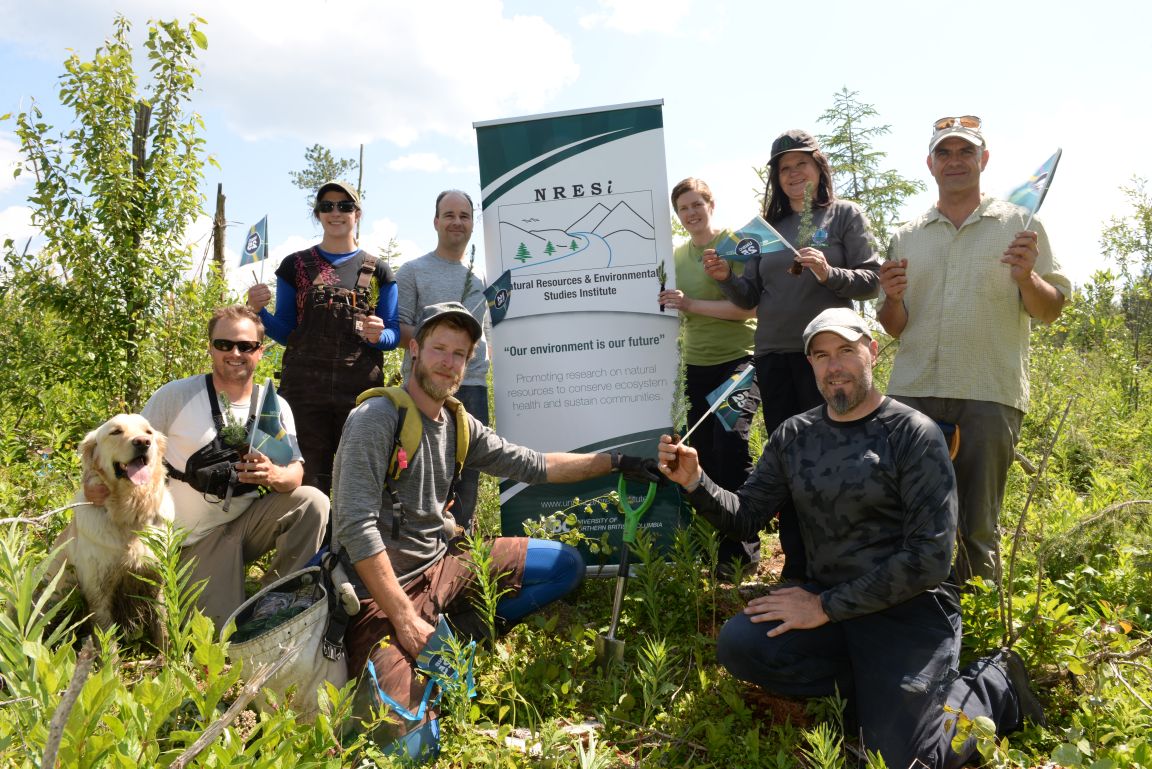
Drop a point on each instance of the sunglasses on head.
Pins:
(964, 121)
(226, 345)
(343, 206)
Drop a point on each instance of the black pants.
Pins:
(724, 454)
(896, 668)
(787, 387)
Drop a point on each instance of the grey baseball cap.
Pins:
(841, 321)
(453, 309)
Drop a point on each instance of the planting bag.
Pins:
(292, 616)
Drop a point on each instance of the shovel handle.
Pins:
(618, 598)
(632, 516)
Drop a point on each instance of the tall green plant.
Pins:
(113, 195)
(857, 165)
(1128, 241)
(322, 166)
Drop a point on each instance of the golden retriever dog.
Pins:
(102, 542)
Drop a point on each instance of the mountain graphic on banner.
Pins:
(555, 236)
(605, 221)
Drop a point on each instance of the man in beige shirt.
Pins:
(961, 287)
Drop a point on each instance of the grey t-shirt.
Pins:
(361, 508)
(432, 280)
(875, 498)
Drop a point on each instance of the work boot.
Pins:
(1026, 701)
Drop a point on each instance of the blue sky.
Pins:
(409, 79)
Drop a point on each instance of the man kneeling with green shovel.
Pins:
(399, 459)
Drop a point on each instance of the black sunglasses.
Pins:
(226, 345)
(343, 206)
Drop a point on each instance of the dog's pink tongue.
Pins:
(138, 471)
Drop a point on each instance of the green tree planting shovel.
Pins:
(610, 649)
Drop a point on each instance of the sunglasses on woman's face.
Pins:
(226, 345)
(343, 206)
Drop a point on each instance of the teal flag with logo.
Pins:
(1031, 193)
(256, 244)
(499, 296)
(754, 238)
(268, 435)
(731, 394)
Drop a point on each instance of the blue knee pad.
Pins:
(552, 570)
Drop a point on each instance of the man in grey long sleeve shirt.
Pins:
(395, 527)
(876, 499)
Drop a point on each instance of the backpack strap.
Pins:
(367, 270)
(405, 443)
(408, 432)
(217, 419)
(399, 461)
(311, 265)
(462, 440)
(214, 403)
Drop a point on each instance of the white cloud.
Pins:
(419, 161)
(402, 71)
(337, 72)
(429, 162)
(16, 223)
(639, 16)
(376, 234)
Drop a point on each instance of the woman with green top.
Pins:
(718, 339)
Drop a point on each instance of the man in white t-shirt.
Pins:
(237, 507)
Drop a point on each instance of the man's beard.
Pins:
(226, 373)
(430, 387)
(843, 398)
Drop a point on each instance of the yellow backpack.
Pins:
(406, 441)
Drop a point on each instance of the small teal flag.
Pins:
(1031, 193)
(732, 394)
(499, 296)
(754, 238)
(256, 244)
(268, 435)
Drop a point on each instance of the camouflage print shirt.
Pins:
(876, 500)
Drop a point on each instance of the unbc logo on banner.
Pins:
(501, 298)
(748, 247)
(253, 244)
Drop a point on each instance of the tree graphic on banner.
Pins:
(522, 253)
